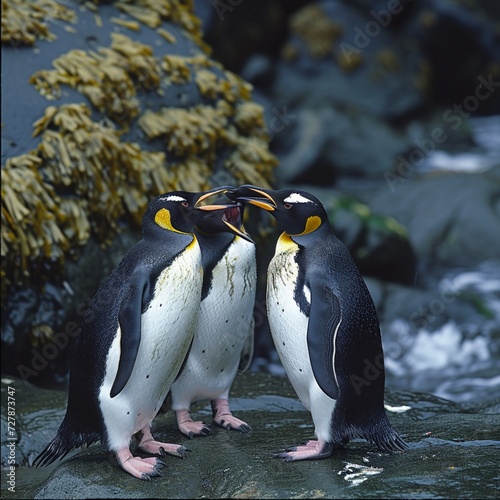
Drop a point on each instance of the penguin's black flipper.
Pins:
(130, 324)
(324, 321)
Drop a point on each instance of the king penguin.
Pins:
(223, 340)
(134, 338)
(324, 326)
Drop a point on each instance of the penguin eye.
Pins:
(287, 205)
(185, 204)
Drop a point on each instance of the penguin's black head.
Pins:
(298, 212)
(181, 212)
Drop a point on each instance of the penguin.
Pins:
(324, 326)
(134, 338)
(223, 340)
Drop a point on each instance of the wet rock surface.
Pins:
(453, 449)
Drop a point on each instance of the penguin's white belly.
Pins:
(289, 330)
(288, 324)
(223, 325)
(167, 328)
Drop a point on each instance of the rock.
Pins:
(380, 247)
(451, 451)
(350, 60)
(398, 10)
(450, 217)
(321, 145)
(251, 28)
(37, 415)
(259, 71)
(301, 148)
(461, 43)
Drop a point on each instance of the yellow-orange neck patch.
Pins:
(163, 219)
(285, 244)
(312, 223)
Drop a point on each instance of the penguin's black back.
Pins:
(213, 248)
(359, 360)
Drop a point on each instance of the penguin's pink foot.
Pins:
(189, 427)
(149, 445)
(224, 418)
(141, 468)
(311, 450)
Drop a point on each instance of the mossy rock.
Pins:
(105, 106)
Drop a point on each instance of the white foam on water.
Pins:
(357, 473)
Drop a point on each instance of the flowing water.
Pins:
(457, 360)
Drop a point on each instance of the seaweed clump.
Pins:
(108, 77)
(23, 21)
(83, 178)
(321, 36)
(80, 179)
(153, 12)
(313, 26)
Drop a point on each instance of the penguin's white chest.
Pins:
(224, 324)
(288, 323)
(289, 330)
(167, 328)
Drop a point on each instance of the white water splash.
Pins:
(357, 474)
(445, 347)
(457, 359)
(486, 133)
(397, 409)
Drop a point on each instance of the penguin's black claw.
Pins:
(284, 456)
(206, 429)
(154, 473)
(181, 451)
(232, 423)
(157, 472)
(244, 428)
(201, 429)
(160, 463)
(294, 448)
